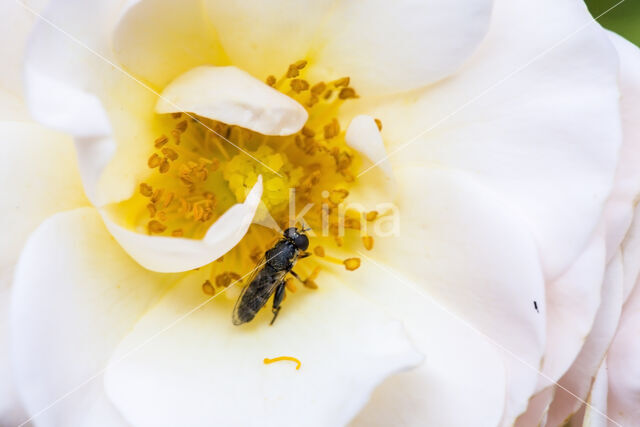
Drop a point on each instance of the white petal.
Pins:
(595, 414)
(176, 254)
(534, 119)
(39, 177)
(364, 136)
(579, 378)
(631, 254)
(624, 369)
(536, 414)
(466, 249)
(569, 323)
(626, 188)
(15, 24)
(377, 186)
(158, 40)
(401, 45)
(203, 370)
(76, 294)
(462, 380)
(74, 84)
(263, 38)
(232, 96)
(11, 410)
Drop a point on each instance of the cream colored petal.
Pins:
(157, 40)
(623, 367)
(73, 83)
(76, 294)
(232, 96)
(579, 378)
(203, 370)
(595, 414)
(263, 38)
(467, 250)
(363, 135)
(462, 380)
(569, 323)
(176, 254)
(626, 188)
(536, 414)
(535, 120)
(39, 177)
(377, 187)
(397, 46)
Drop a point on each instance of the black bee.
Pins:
(270, 278)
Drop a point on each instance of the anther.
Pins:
(299, 85)
(207, 288)
(146, 190)
(367, 241)
(352, 263)
(182, 126)
(271, 80)
(319, 251)
(156, 227)
(347, 92)
(160, 141)
(372, 215)
(154, 161)
(171, 154)
(378, 123)
(342, 82)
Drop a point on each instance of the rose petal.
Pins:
(232, 96)
(462, 380)
(203, 370)
(363, 135)
(536, 414)
(401, 45)
(73, 83)
(466, 249)
(579, 378)
(378, 185)
(595, 414)
(176, 254)
(263, 38)
(631, 254)
(535, 119)
(158, 40)
(40, 177)
(626, 188)
(76, 293)
(568, 323)
(623, 367)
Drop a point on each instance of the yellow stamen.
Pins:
(367, 241)
(282, 358)
(352, 263)
(319, 251)
(207, 288)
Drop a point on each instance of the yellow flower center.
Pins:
(196, 174)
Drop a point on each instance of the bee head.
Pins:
(297, 237)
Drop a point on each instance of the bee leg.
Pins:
(277, 300)
(294, 274)
(304, 255)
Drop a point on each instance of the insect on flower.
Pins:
(270, 275)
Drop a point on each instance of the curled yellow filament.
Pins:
(281, 358)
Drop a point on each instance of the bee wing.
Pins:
(262, 284)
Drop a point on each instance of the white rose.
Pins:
(505, 147)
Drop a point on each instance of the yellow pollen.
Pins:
(160, 141)
(283, 358)
(271, 80)
(319, 251)
(367, 241)
(372, 215)
(156, 227)
(352, 263)
(207, 288)
(299, 85)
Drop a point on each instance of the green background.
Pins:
(624, 19)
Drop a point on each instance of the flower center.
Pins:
(201, 167)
